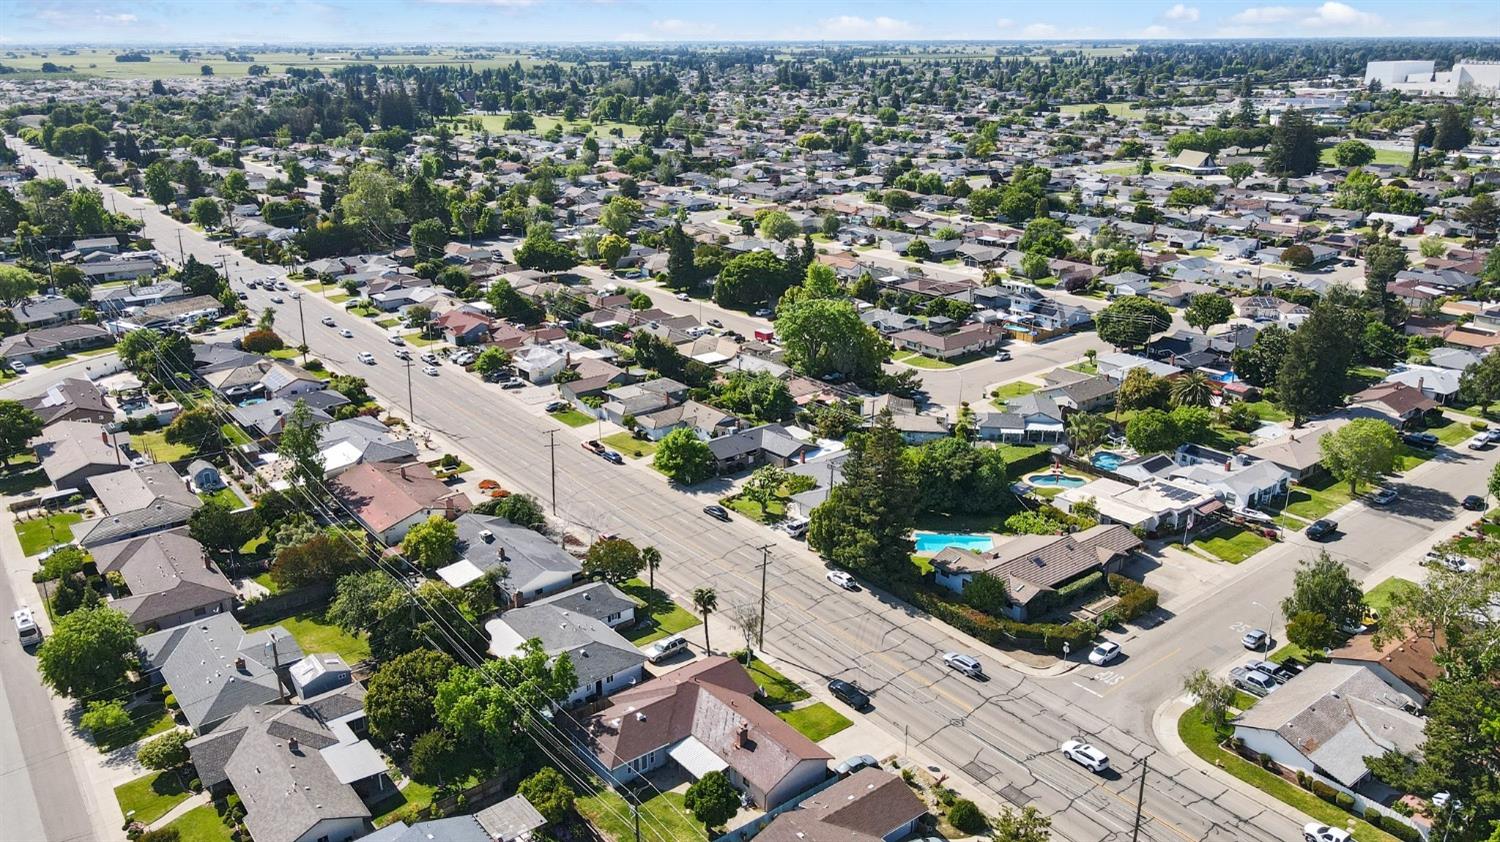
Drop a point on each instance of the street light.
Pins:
(1270, 627)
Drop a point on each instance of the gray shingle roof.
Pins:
(198, 661)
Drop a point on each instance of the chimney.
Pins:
(103, 436)
(1228, 463)
(742, 737)
(291, 744)
(239, 663)
(403, 471)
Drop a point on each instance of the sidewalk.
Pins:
(192, 802)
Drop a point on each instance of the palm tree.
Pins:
(652, 557)
(705, 600)
(1086, 430)
(1191, 389)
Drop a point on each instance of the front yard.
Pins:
(1317, 498)
(202, 824)
(776, 689)
(571, 417)
(629, 445)
(816, 722)
(1233, 544)
(43, 532)
(657, 615)
(151, 796)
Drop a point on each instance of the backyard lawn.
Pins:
(233, 436)
(151, 796)
(315, 634)
(405, 801)
(155, 445)
(663, 817)
(571, 417)
(776, 689)
(629, 445)
(43, 532)
(923, 563)
(1233, 544)
(815, 722)
(658, 616)
(201, 824)
(227, 496)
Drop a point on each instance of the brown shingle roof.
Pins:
(864, 807)
(1413, 660)
(1048, 560)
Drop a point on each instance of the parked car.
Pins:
(430, 358)
(395, 340)
(27, 631)
(1255, 640)
(1474, 503)
(716, 511)
(593, 446)
(966, 664)
(1252, 681)
(1104, 653)
(1002, 356)
(1276, 671)
(513, 384)
(1422, 440)
(715, 323)
(796, 527)
(665, 648)
(402, 354)
(682, 296)
(854, 764)
(1320, 529)
(556, 406)
(764, 312)
(1383, 497)
(613, 456)
(849, 694)
(327, 320)
(366, 357)
(17, 366)
(1085, 755)
(1314, 832)
(1479, 442)
(842, 579)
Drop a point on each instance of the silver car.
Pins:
(966, 664)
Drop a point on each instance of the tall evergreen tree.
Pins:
(1294, 145)
(865, 524)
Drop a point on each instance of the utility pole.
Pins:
(411, 406)
(760, 628)
(303, 322)
(635, 810)
(181, 255)
(1140, 799)
(552, 446)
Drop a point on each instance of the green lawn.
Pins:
(388, 322)
(227, 496)
(81, 355)
(774, 511)
(403, 804)
(147, 719)
(1202, 740)
(41, 533)
(284, 354)
(1018, 389)
(629, 445)
(1382, 156)
(815, 722)
(1409, 457)
(1318, 498)
(233, 436)
(1451, 431)
(421, 341)
(664, 817)
(658, 616)
(1123, 110)
(776, 689)
(923, 563)
(151, 796)
(1233, 544)
(201, 824)
(265, 581)
(1379, 597)
(919, 361)
(314, 634)
(1267, 411)
(572, 417)
(155, 445)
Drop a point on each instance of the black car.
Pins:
(716, 512)
(849, 694)
(1321, 529)
(1423, 440)
(1474, 503)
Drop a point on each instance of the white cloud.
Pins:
(504, 3)
(1040, 30)
(1336, 14)
(678, 28)
(1265, 14)
(854, 26)
(1004, 23)
(1156, 31)
(1181, 12)
(124, 17)
(1328, 17)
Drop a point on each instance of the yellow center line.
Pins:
(1143, 669)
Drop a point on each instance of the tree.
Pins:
(1480, 383)
(1297, 256)
(370, 202)
(322, 557)
(1483, 215)
(1312, 631)
(1141, 389)
(619, 215)
(1214, 696)
(493, 708)
(1314, 369)
(512, 305)
(612, 249)
(682, 272)
(651, 557)
(918, 249)
(197, 428)
(548, 791)
(706, 601)
(1208, 309)
(399, 703)
(221, 529)
(1361, 451)
(752, 279)
(167, 752)
(966, 816)
(1024, 825)
(825, 335)
(1086, 430)
(492, 360)
(432, 543)
(88, 653)
(206, 212)
(18, 425)
(762, 396)
(1293, 149)
(683, 457)
(1047, 237)
(520, 509)
(865, 523)
(16, 285)
(1324, 586)
(1453, 132)
(542, 252)
(103, 719)
(764, 484)
(1239, 171)
(1190, 389)
(713, 800)
(1260, 364)
(1384, 258)
(300, 437)
(1152, 431)
(428, 238)
(1131, 322)
(777, 225)
(613, 560)
(1353, 153)
(261, 341)
(159, 185)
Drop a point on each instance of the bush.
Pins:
(1399, 829)
(1345, 800)
(1478, 426)
(314, 365)
(104, 717)
(1136, 599)
(965, 816)
(1323, 791)
(1077, 590)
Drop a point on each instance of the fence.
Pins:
(281, 605)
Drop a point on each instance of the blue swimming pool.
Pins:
(1104, 460)
(931, 543)
(1062, 481)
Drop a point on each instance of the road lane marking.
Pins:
(1087, 690)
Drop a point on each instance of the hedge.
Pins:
(1395, 827)
(1000, 631)
(1135, 598)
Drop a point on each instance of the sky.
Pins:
(509, 21)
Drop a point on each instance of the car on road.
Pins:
(842, 579)
(556, 406)
(1426, 441)
(395, 340)
(613, 456)
(1320, 529)
(665, 648)
(854, 764)
(715, 323)
(1256, 640)
(430, 358)
(430, 370)
(849, 694)
(513, 384)
(27, 631)
(327, 320)
(402, 354)
(1314, 832)
(1383, 497)
(1474, 503)
(276, 299)
(593, 446)
(366, 357)
(682, 296)
(764, 312)
(1252, 681)
(1085, 755)
(243, 296)
(251, 285)
(1479, 442)
(346, 333)
(715, 511)
(1104, 653)
(966, 664)
(1002, 356)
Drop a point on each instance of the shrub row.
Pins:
(1135, 598)
(1000, 631)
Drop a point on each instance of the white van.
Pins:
(665, 648)
(26, 628)
(796, 527)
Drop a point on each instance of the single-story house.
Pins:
(1407, 665)
(170, 577)
(49, 342)
(605, 662)
(1031, 565)
(970, 339)
(871, 805)
(72, 452)
(137, 501)
(73, 399)
(1397, 403)
(215, 669)
(534, 566)
(390, 498)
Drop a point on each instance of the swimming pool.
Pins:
(1060, 481)
(930, 543)
(1107, 461)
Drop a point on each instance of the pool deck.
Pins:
(942, 541)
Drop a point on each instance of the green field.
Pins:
(495, 124)
(1127, 110)
(1393, 157)
(163, 65)
(629, 445)
(201, 824)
